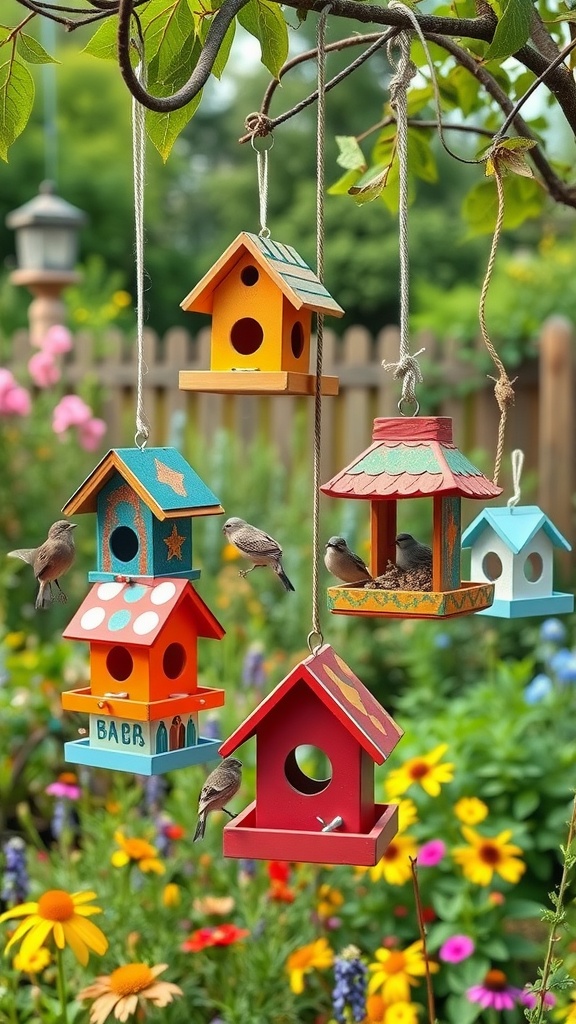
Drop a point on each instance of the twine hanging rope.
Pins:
(503, 390)
(262, 148)
(517, 464)
(139, 158)
(315, 638)
(407, 369)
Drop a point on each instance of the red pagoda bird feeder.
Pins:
(412, 458)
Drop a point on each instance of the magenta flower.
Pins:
(531, 999)
(91, 433)
(65, 788)
(456, 948)
(431, 853)
(71, 411)
(15, 401)
(494, 992)
(43, 369)
(56, 340)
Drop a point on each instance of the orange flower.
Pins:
(136, 851)
(126, 988)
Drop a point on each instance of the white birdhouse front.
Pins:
(513, 547)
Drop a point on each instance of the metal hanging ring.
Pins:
(408, 401)
(265, 142)
(311, 647)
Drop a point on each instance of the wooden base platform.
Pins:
(84, 700)
(349, 599)
(255, 382)
(81, 752)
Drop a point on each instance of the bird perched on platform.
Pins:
(410, 554)
(258, 546)
(344, 563)
(50, 561)
(220, 786)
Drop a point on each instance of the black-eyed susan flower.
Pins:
(486, 856)
(427, 770)
(315, 956)
(380, 1012)
(136, 851)
(396, 970)
(126, 988)
(470, 810)
(62, 916)
(394, 865)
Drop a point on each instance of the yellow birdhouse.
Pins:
(261, 296)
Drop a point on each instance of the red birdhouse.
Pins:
(321, 704)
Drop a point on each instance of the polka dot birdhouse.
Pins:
(513, 547)
(261, 296)
(142, 617)
(321, 705)
(412, 458)
(145, 500)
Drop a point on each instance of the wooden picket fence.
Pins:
(541, 421)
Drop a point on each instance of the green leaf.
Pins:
(523, 198)
(350, 156)
(466, 88)
(104, 42)
(16, 99)
(421, 160)
(224, 51)
(512, 30)
(164, 129)
(32, 51)
(370, 185)
(168, 31)
(265, 21)
(344, 184)
(461, 1009)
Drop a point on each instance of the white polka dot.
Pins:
(162, 593)
(145, 623)
(92, 618)
(106, 591)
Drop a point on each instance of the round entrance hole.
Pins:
(124, 543)
(308, 770)
(119, 663)
(249, 275)
(174, 660)
(492, 566)
(246, 336)
(533, 567)
(297, 340)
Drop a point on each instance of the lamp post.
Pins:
(46, 230)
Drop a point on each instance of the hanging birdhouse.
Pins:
(296, 815)
(512, 547)
(145, 500)
(261, 296)
(143, 700)
(412, 458)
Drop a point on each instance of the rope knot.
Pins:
(259, 125)
(503, 391)
(407, 369)
(401, 80)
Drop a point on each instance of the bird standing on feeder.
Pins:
(258, 546)
(50, 561)
(410, 554)
(344, 563)
(220, 786)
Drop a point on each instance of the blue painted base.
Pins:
(111, 577)
(80, 752)
(554, 604)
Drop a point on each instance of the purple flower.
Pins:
(566, 670)
(15, 885)
(456, 948)
(494, 992)
(559, 658)
(211, 728)
(431, 853)
(531, 999)
(65, 787)
(349, 985)
(253, 671)
(537, 689)
(552, 631)
(442, 641)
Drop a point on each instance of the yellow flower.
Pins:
(486, 855)
(379, 1012)
(125, 988)
(171, 895)
(15, 640)
(425, 770)
(470, 810)
(329, 900)
(215, 905)
(407, 814)
(122, 299)
(137, 851)
(63, 915)
(315, 956)
(230, 553)
(395, 971)
(34, 963)
(394, 865)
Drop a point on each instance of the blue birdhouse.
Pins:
(512, 547)
(145, 500)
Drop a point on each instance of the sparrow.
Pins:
(50, 561)
(344, 563)
(258, 546)
(220, 786)
(410, 554)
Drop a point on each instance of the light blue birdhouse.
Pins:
(145, 501)
(513, 548)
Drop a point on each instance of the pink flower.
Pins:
(56, 340)
(66, 787)
(7, 381)
(531, 999)
(431, 853)
(494, 992)
(15, 401)
(71, 411)
(43, 369)
(456, 948)
(91, 433)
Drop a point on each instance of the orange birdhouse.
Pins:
(261, 296)
(303, 813)
(412, 458)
